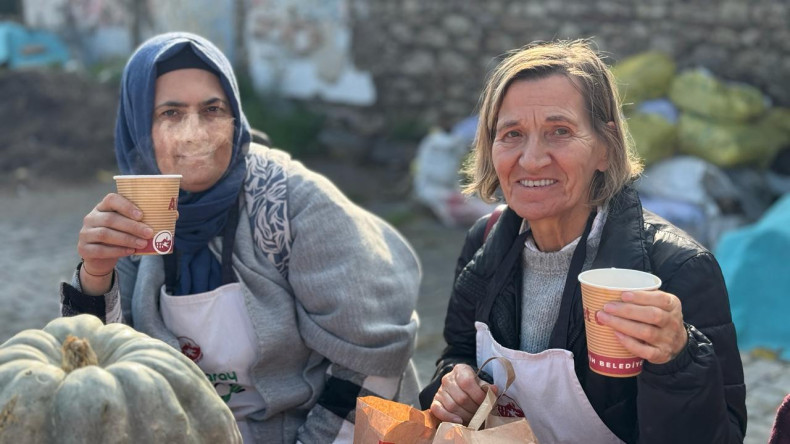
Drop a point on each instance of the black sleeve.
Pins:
(74, 302)
(701, 392)
(460, 316)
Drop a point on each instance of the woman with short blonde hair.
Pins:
(552, 138)
(577, 61)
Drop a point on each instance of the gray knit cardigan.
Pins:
(331, 291)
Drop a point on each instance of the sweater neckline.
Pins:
(558, 261)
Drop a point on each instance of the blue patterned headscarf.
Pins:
(202, 216)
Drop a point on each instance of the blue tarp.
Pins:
(21, 47)
(755, 261)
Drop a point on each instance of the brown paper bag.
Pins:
(497, 430)
(380, 421)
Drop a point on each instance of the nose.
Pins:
(189, 129)
(534, 154)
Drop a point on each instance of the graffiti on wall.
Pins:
(302, 48)
(96, 29)
(86, 14)
(212, 19)
(296, 48)
(101, 29)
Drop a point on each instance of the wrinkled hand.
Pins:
(648, 323)
(110, 231)
(460, 395)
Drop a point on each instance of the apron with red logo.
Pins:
(215, 331)
(546, 391)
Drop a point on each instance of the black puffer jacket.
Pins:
(698, 397)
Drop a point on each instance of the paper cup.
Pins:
(157, 197)
(606, 355)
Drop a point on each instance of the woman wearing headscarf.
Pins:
(552, 138)
(291, 299)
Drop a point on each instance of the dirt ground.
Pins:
(56, 126)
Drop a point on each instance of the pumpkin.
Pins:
(80, 381)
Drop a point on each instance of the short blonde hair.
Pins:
(584, 67)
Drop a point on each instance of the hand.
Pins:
(110, 231)
(648, 323)
(460, 395)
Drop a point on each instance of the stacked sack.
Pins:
(726, 124)
(706, 144)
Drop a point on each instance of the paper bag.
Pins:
(497, 430)
(380, 421)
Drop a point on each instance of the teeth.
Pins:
(537, 183)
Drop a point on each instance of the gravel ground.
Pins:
(38, 231)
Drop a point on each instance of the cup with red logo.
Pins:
(157, 197)
(606, 354)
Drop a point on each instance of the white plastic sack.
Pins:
(437, 180)
(690, 180)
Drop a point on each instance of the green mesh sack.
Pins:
(778, 118)
(730, 144)
(644, 76)
(697, 91)
(654, 137)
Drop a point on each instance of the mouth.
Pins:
(537, 183)
(194, 155)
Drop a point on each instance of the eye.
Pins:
(169, 113)
(511, 134)
(218, 110)
(561, 131)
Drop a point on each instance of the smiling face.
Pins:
(192, 127)
(545, 154)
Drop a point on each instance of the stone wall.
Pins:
(429, 58)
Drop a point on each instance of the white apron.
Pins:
(215, 331)
(546, 391)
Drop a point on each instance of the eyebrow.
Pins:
(213, 101)
(553, 118)
(560, 118)
(175, 104)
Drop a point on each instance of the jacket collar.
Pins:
(623, 243)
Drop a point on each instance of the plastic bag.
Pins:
(644, 76)
(654, 137)
(437, 181)
(730, 144)
(697, 91)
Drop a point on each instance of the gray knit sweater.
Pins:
(543, 283)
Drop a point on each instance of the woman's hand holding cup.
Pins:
(648, 323)
(109, 232)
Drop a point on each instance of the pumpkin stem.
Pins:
(77, 352)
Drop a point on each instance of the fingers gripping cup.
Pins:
(157, 197)
(606, 354)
